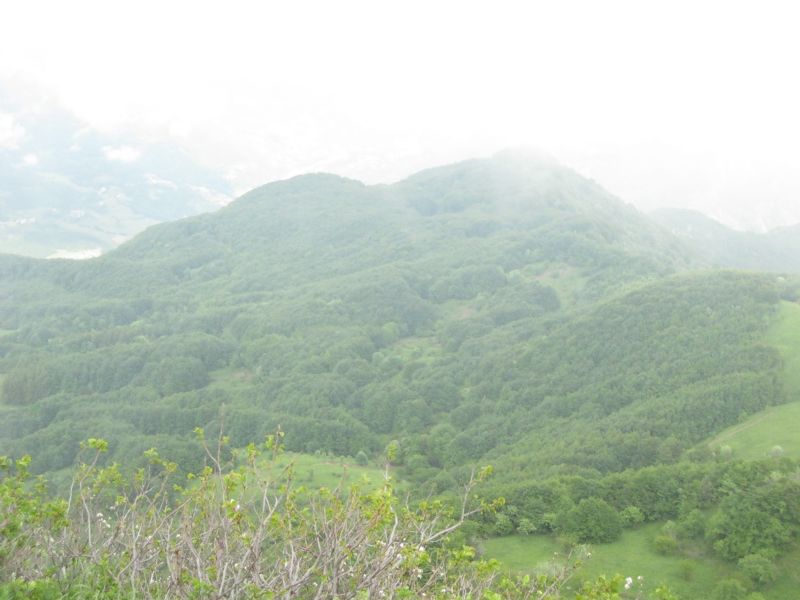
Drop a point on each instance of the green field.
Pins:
(755, 437)
(692, 576)
(315, 472)
(784, 334)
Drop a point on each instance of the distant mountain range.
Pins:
(69, 191)
(775, 251)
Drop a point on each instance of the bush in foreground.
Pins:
(242, 530)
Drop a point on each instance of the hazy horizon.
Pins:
(681, 106)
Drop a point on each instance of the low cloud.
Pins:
(125, 154)
(11, 132)
(77, 254)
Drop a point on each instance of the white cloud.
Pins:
(125, 154)
(30, 160)
(211, 196)
(77, 254)
(154, 179)
(11, 133)
(18, 222)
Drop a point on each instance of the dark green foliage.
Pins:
(632, 516)
(592, 520)
(665, 544)
(729, 589)
(692, 526)
(758, 569)
(756, 518)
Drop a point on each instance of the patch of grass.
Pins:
(691, 575)
(777, 425)
(521, 552)
(784, 334)
(756, 437)
(313, 472)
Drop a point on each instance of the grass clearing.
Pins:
(692, 576)
(314, 472)
(784, 334)
(755, 437)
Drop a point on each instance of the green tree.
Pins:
(592, 520)
(758, 569)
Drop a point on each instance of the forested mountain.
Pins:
(484, 308)
(504, 311)
(776, 251)
(349, 314)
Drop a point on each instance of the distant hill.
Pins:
(68, 191)
(776, 251)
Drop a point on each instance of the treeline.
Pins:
(746, 513)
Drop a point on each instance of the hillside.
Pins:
(504, 309)
(776, 251)
(347, 313)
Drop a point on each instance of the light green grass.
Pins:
(524, 553)
(693, 575)
(314, 472)
(784, 334)
(755, 437)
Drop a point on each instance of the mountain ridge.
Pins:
(349, 316)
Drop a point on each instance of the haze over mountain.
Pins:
(777, 250)
(69, 191)
(709, 124)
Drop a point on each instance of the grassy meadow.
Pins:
(756, 437)
(314, 472)
(693, 575)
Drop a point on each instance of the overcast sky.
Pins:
(693, 104)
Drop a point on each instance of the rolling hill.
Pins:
(505, 309)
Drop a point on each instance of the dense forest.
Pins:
(504, 311)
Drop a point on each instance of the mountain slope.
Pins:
(776, 251)
(469, 311)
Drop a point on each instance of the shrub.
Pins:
(729, 589)
(503, 524)
(592, 520)
(758, 568)
(665, 544)
(526, 526)
(632, 516)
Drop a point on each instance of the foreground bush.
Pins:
(240, 529)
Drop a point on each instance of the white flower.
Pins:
(628, 582)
